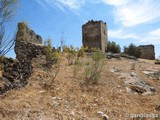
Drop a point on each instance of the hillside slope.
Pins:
(68, 99)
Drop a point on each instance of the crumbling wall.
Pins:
(26, 35)
(27, 46)
(147, 52)
(94, 35)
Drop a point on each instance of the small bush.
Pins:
(77, 67)
(94, 68)
(95, 49)
(65, 49)
(81, 53)
(50, 55)
(84, 48)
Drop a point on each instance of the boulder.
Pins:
(129, 57)
(140, 87)
(113, 55)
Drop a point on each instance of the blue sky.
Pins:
(128, 21)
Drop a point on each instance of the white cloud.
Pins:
(128, 13)
(155, 32)
(153, 37)
(61, 4)
(115, 2)
(120, 34)
(41, 3)
(134, 12)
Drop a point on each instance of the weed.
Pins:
(77, 67)
(71, 54)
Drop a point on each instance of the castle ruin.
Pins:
(147, 52)
(28, 45)
(94, 35)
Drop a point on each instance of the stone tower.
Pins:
(94, 35)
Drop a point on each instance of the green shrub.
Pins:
(85, 49)
(65, 49)
(71, 54)
(132, 50)
(94, 49)
(52, 57)
(81, 52)
(94, 68)
(113, 47)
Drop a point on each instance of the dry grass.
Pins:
(71, 99)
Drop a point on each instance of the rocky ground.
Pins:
(119, 94)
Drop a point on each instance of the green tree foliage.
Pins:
(7, 10)
(132, 50)
(113, 47)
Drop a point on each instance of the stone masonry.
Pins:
(94, 35)
(147, 52)
(28, 45)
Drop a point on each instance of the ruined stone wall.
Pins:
(28, 45)
(94, 35)
(147, 52)
(27, 35)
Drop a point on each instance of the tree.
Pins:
(113, 47)
(132, 50)
(7, 10)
